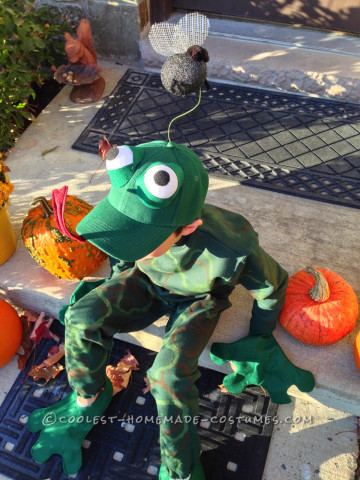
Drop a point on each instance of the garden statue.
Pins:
(82, 71)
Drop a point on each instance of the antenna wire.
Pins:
(183, 114)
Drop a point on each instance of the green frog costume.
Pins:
(156, 188)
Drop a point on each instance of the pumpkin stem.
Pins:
(47, 210)
(321, 291)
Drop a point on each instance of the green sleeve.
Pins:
(118, 266)
(267, 283)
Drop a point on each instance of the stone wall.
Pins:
(117, 26)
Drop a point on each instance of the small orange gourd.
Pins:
(10, 332)
(357, 350)
(320, 307)
(59, 254)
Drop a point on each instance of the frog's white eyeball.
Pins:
(118, 157)
(161, 181)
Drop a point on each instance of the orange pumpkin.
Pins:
(320, 307)
(59, 254)
(357, 350)
(10, 332)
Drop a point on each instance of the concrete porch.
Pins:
(258, 53)
(295, 231)
(278, 57)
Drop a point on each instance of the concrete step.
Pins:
(312, 442)
(278, 57)
(295, 231)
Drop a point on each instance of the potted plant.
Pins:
(7, 234)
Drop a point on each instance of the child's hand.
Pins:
(259, 360)
(63, 428)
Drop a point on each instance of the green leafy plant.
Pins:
(31, 40)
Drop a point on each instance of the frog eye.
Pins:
(159, 184)
(161, 181)
(119, 157)
(121, 163)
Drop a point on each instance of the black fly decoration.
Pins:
(184, 71)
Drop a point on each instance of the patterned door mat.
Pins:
(235, 430)
(289, 143)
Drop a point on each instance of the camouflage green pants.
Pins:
(130, 302)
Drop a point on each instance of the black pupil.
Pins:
(161, 178)
(112, 153)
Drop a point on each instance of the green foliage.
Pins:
(30, 42)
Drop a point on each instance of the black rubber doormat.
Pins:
(235, 430)
(284, 142)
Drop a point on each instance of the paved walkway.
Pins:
(307, 232)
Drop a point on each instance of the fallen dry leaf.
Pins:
(130, 360)
(42, 328)
(121, 374)
(46, 373)
(35, 327)
(54, 355)
(263, 389)
(120, 380)
(30, 316)
(45, 152)
(147, 386)
(104, 147)
(27, 345)
(223, 389)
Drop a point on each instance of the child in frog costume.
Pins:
(170, 254)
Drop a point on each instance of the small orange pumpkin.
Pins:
(357, 350)
(320, 307)
(59, 254)
(10, 332)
